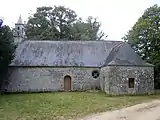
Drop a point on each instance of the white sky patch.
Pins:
(116, 16)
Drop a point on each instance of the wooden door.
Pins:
(67, 83)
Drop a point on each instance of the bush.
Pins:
(7, 48)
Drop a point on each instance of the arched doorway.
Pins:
(67, 83)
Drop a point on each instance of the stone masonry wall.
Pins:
(49, 79)
(116, 79)
(104, 82)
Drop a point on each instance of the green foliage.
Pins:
(60, 23)
(144, 37)
(89, 30)
(6, 48)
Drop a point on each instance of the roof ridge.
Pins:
(73, 41)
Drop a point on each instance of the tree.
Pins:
(89, 30)
(50, 23)
(144, 37)
(39, 25)
(6, 49)
(60, 23)
(63, 18)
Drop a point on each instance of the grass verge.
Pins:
(62, 105)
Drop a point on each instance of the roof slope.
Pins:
(123, 54)
(75, 53)
(19, 20)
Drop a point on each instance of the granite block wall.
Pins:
(112, 79)
(117, 79)
(49, 79)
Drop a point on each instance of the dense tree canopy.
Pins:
(6, 49)
(61, 23)
(144, 37)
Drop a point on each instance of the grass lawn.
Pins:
(61, 105)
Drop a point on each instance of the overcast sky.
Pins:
(116, 16)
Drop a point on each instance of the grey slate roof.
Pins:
(75, 53)
(123, 54)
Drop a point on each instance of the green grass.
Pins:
(61, 105)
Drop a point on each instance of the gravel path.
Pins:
(144, 111)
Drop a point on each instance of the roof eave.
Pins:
(150, 65)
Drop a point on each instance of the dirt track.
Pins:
(145, 111)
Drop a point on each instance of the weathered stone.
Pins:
(112, 79)
(50, 79)
(116, 79)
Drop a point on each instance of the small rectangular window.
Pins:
(131, 82)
